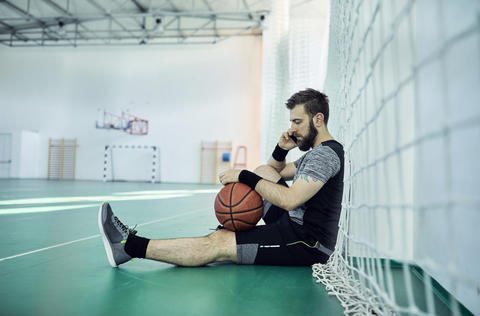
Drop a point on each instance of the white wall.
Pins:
(28, 167)
(24, 154)
(188, 94)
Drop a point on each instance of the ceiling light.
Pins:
(158, 29)
(60, 29)
(262, 24)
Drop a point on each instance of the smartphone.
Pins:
(294, 138)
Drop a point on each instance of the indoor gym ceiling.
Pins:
(127, 22)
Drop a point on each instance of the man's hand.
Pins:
(286, 142)
(229, 176)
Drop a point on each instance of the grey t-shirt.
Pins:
(319, 216)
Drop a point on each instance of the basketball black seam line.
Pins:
(253, 209)
(231, 213)
(231, 198)
(238, 220)
(228, 207)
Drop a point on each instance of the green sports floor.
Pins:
(53, 262)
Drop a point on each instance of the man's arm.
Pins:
(290, 198)
(287, 198)
(300, 192)
(285, 144)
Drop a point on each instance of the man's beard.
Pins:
(307, 141)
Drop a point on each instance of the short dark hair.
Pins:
(314, 102)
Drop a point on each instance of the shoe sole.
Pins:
(106, 241)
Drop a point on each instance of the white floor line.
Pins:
(82, 239)
(38, 250)
(175, 216)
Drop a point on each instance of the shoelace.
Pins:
(125, 228)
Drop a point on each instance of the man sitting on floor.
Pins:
(301, 220)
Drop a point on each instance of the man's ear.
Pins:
(318, 119)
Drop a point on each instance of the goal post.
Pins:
(131, 163)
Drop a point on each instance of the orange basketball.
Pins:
(238, 207)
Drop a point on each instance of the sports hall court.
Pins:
(143, 103)
(54, 263)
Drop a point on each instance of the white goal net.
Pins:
(295, 51)
(404, 84)
(403, 81)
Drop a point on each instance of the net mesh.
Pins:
(403, 82)
(294, 58)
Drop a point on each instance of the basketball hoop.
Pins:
(126, 122)
(136, 125)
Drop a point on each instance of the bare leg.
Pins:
(193, 252)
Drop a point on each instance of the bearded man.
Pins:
(301, 220)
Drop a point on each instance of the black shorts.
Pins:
(277, 242)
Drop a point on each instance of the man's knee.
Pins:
(268, 172)
(225, 245)
(222, 236)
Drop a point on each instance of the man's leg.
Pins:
(192, 252)
(271, 213)
(268, 173)
(122, 244)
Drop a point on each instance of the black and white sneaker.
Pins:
(114, 235)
